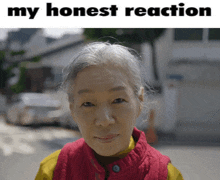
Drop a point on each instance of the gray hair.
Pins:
(102, 53)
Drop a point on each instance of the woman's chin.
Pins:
(108, 151)
(105, 152)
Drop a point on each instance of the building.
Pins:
(53, 55)
(189, 68)
(26, 39)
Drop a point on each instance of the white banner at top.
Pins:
(106, 14)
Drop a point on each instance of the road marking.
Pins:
(7, 150)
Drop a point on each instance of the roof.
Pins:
(55, 45)
(50, 40)
(73, 40)
(23, 35)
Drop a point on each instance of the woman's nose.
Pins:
(104, 117)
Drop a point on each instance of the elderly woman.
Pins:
(106, 96)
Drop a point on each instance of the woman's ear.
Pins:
(141, 94)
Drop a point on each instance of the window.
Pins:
(214, 34)
(188, 34)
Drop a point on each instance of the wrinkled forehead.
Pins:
(100, 78)
(102, 73)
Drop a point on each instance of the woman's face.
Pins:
(105, 108)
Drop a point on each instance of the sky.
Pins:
(52, 32)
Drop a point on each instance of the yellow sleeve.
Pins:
(47, 167)
(173, 173)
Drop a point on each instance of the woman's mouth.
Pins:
(108, 138)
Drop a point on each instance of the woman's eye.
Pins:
(87, 104)
(119, 100)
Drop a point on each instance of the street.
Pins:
(23, 148)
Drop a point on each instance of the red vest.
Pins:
(77, 162)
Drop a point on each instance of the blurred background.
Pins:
(182, 70)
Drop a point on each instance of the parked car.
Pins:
(32, 108)
(65, 120)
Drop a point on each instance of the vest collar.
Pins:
(133, 158)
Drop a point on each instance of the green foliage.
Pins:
(20, 86)
(36, 59)
(98, 33)
(2, 55)
(131, 35)
(3, 72)
(9, 72)
(15, 53)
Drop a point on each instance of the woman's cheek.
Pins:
(86, 115)
(123, 111)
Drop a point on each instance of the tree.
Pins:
(3, 72)
(20, 85)
(7, 73)
(129, 36)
